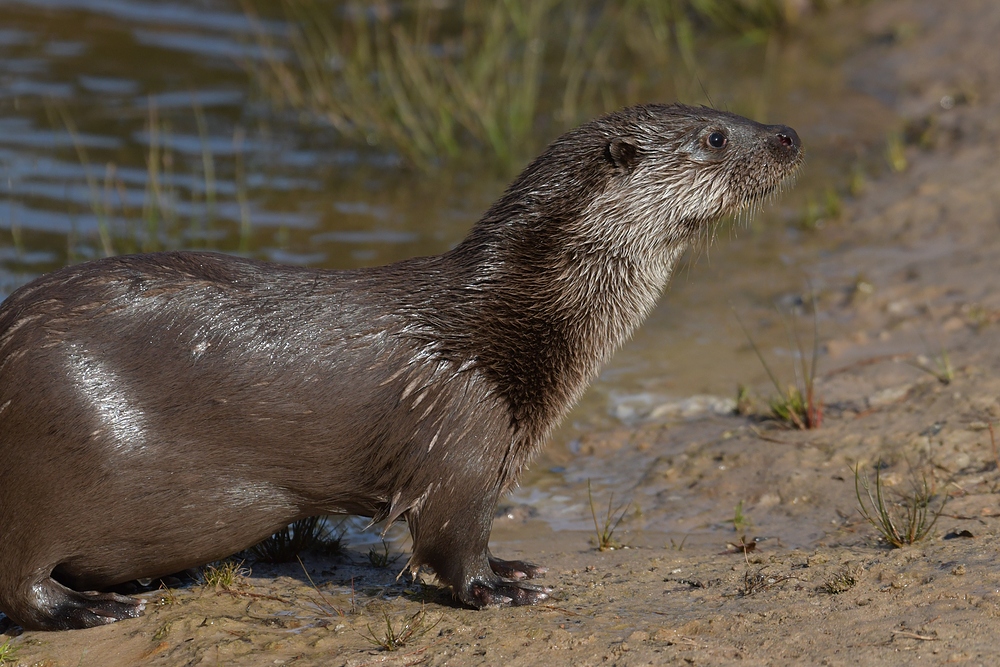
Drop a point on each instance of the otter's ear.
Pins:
(623, 153)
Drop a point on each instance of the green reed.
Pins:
(432, 83)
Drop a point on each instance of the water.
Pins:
(129, 126)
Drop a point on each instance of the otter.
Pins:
(165, 410)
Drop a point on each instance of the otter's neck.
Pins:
(548, 301)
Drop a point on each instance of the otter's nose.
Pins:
(786, 137)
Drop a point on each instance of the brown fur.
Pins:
(161, 411)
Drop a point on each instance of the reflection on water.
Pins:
(131, 125)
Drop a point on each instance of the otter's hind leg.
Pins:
(451, 532)
(48, 605)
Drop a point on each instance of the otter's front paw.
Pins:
(505, 594)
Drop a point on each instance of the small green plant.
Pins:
(605, 533)
(162, 631)
(227, 575)
(798, 405)
(858, 181)
(8, 653)
(393, 639)
(380, 557)
(309, 534)
(939, 366)
(790, 407)
(908, 520)
(740, 520)
(862, 288)
(843, 581)
(167, 595)
(744, 401)
(895, 152)
(819, 212)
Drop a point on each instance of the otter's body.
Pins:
(161, 411)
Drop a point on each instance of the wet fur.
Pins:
(161, 411)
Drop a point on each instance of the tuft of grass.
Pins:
(858, 181)
(309, 534)
(790, 407)
(798, 405)
(605, 532)
(8, 653)
(227, 575)
(818, 213)
(162, 631)
(939, 366)
(744, 401)
(740, 520)
(756, 581)
(895, 152)
(843, 581)
(380, 558)
(167, 595)
(393, 638)
(907, 520)
(862, 288)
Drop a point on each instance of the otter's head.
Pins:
(692, 165)
(643, 179)
(682, 167)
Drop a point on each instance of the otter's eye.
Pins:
(717, 140)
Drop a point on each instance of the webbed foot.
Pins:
(500, 593)
(516, 569)
(52, 606)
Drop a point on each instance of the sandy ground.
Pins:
(916, 271)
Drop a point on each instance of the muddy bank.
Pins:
(914, 273)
